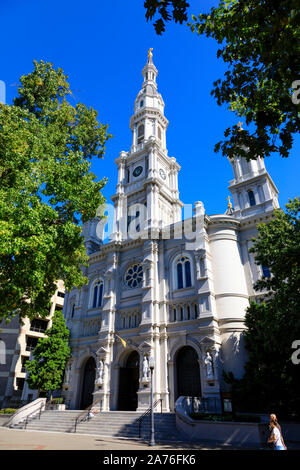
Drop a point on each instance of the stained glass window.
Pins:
(183, 272)
(97, 294)
(134, 276)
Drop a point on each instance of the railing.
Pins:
(21, 413)
(198, 405)
(34, 412)
(84, 414)
(141, 419)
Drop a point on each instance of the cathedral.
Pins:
(164, 292)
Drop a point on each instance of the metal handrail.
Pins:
(85, 412)
(141, 419)
(19, 410)
(34, 412)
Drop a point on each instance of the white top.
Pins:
(278, 441)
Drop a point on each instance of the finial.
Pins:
(150, 55)
(240, 126)
(229, 202)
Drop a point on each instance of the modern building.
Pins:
(18, 342)
(162, 288)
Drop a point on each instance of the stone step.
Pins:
(108, 424)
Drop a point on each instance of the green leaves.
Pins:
(259, 42)
(47, 188)
(164, 8)
(271, 380)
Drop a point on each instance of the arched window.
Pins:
(183, 272)
(251, 198)
(159, 133)
(266, 271)
(188, 312)
(72, 310)
(141, 131)
(141, 103)
(97, 294)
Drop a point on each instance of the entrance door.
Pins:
(129, 383)
(188, 373)
(88, 384)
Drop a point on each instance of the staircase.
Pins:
(118, 424)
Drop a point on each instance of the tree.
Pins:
(272, 380)
(259, 43)
(51, 353)
(167, 9)
(47, 189)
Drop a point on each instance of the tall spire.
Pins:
(150, 72)
(148, 119)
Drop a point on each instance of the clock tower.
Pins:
(147, 194)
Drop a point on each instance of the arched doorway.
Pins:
(88, 383)
(129, 383)
(188, 373)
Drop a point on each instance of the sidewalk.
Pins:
(12, 439)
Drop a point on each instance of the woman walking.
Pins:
(276, 437)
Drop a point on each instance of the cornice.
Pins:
(148, 112)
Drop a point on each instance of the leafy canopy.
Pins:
(259, 41)
(47, 188)
(50, 355)
(272, 380)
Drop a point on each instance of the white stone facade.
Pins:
(174, 290)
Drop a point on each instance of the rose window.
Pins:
(134, 276)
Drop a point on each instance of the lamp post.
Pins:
(152, 441)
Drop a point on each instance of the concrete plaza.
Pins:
(12, 439)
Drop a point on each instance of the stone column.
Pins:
(101, 395)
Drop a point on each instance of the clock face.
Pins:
(162, 174)
(137, 171)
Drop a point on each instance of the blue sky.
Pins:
(102, 47)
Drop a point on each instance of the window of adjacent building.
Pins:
(31, 343)
(38, 325)
(141, 131)
(20, 383)
(24, 359)
(97, 294)
(61, 294)
(183, 273)
(251, 198)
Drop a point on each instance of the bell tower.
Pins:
(252, 188)
(147, 194)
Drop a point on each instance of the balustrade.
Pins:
(183, 311)
(91, 326)
(129, 320)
